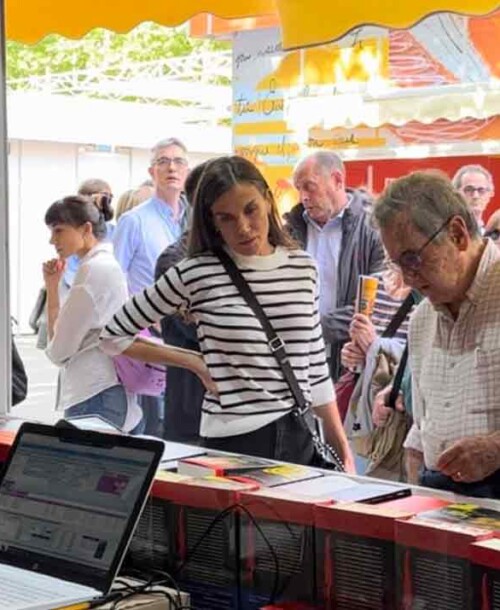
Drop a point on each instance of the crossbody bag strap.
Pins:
(275, 342)
(390, 331)
(399, 317)
(398, 379)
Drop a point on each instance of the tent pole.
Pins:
(5, 327)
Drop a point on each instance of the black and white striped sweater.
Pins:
(252, 390)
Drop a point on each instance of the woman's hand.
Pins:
(200, 368)
(349, 464)
(381, 413)
(352, 356)
(53, 270)
(362, 331)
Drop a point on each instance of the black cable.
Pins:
(220, 517)
(274, 555)
(296, 538)
(131, 590)
(215, 521)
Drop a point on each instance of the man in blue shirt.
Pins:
(144, 232)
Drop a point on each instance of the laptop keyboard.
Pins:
(20, 588)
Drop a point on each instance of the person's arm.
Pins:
(166, 297)
(148, 351)
(471, 459)
(76, 317)
(52, 309)
(362, 331)
(126, 237)
(322, 390)
(352, 356)
(53, 271)
(335, 433)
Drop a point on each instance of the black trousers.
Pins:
(285, 439)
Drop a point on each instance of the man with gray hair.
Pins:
(332, 223)
(475, 184)
(430, 234)
(144, 232)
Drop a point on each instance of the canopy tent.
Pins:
(303, 23)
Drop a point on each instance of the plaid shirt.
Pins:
(456, 365)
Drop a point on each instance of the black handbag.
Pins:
(19, 377)
(37, 311)
(325, 455)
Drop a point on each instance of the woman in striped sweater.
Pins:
(248, 404)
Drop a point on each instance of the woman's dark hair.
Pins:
(211, 180)
(98, 190)
(192, 181)
(75, 211)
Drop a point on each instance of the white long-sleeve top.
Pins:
(252, 390)
(98, 290)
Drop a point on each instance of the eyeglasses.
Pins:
(480, 190)
(494, 234)
(175, 161)
(411, 261)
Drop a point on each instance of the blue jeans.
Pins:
(488, 488)
(111, 404)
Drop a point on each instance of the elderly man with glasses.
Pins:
(430, 233)
(475, 184)
(144, 232)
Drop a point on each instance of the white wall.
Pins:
(40, 173)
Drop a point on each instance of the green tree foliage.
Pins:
(101, 50)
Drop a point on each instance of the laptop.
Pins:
(69, 502)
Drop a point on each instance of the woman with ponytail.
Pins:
(88, 380)
(99, 192)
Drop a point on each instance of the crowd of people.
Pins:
(157, 264)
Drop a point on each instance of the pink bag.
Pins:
(141, 377)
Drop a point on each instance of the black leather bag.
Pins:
(37, 311)
(19, 377)
(325, 455)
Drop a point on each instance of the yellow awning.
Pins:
(303, 22)
(311, 22)
(30, 20)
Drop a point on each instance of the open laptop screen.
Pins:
(69, 500)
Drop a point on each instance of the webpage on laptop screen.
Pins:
(69, 502)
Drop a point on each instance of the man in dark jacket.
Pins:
(184, 392)
(333, 224)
